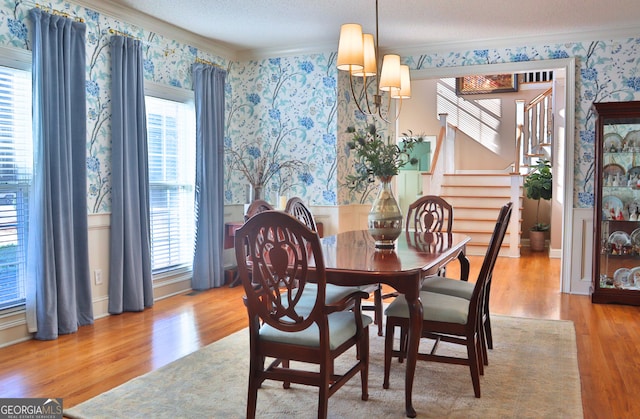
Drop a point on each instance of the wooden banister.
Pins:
(519, 136)
(538, 99)
(436, 154)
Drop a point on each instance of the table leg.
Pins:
(464, 266)
(415, 330)
(236, 280)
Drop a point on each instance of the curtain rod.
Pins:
(203, 61)
(55, 12)
(117, 32)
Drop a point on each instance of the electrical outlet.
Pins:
(97, 275)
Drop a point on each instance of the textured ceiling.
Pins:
(246, 26)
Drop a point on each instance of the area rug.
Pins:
(532, 373)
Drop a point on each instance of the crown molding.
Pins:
(600, 34)
(263, 53)
(560, 64)
(427, 48)
(107, 7)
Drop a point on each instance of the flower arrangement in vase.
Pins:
(376, 157)
(261, 165)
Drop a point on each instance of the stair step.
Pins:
(480, 237)
(480, 202)
(470, 224)
(462, 211)
(481, 179)
(480, 191)
(477, 199)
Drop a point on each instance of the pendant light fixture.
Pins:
(358, 54)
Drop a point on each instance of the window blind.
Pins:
(171, 148)
(16, 162)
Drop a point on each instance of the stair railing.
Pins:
(534, 133)
(432, 179)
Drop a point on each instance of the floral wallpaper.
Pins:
(166, 62)
(291, 100)
(607, 70)
(304, 104)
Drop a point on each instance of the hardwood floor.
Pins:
(117, 348)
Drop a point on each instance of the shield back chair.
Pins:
(290, 321)
(297, 209)
(257, 207)
(433, 214)
(450, 286)
(430, 213)
(449, 319)
(427, 214)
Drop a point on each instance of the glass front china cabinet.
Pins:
(616, 262)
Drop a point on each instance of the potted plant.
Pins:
(538, 185)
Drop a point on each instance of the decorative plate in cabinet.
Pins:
(612, 208)
(612, 143)
(621, 277)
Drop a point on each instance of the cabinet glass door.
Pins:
(617, 207)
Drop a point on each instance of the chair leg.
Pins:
(285, 364)
(481, 352)
(323, 394)
(483, 347)
(474, 364)
(377, 303)
(404, 341)
(388, 352)
(364, 364)
(487, 330)
(252, 392)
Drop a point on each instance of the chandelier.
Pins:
(358, 54)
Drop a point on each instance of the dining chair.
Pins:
(290, 321)
(427, 214)
(430, 213)
(448, 318)
(451, 286)
(433, 214)
(296, 208)
(256, 207)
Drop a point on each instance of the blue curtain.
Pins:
(58, 278)
(130, 280)
(208, 87)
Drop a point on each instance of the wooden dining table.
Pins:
(351, 258)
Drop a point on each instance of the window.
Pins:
(16, 161)
(171, 148)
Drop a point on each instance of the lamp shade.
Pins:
(350, 48)
(405, 84)
(390, 73)
(370, 63)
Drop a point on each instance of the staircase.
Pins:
(478, 196)
(476, 199)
